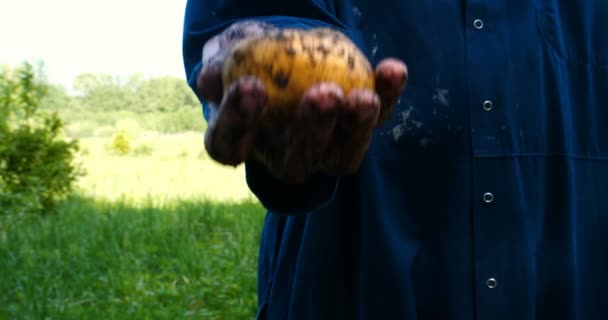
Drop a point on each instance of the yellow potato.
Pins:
(289, 61)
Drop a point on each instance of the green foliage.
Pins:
(165, 94)
(56, 98)
(121, 142)
(100, 101)
(99, 260)
(104, 93)
(36, 166)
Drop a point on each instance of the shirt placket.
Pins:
(484, 68)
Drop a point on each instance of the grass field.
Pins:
(101, 260)
(161, 232)
(161, 166)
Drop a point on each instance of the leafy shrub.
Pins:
(36, 167)
(121, 142)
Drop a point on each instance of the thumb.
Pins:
(391, 80)
(209, 81)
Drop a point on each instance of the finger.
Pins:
(229, 137)
(391, 79)
(209, 81)
(310, 132)
(352, 133)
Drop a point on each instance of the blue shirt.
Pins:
(484, 196)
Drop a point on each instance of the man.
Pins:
(482, 194)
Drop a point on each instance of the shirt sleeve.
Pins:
(204, 19)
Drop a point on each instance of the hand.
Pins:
(330, 132)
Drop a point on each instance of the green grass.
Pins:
(184, 259)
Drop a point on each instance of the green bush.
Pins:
(121, 142)
(36, 167)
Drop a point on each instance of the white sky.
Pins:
(112, 36)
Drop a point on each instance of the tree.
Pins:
(36, 167)
(104, 92)
(56, 98)
(165, 94)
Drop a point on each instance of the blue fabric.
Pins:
(410, 236)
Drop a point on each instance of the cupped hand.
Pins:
(329, 132)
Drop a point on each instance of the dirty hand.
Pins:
(330, 132)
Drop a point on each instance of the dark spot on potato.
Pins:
(323, 32)
(238, 56)
(290, 51)
(308, 50)
(281, 79)
(351, 61)
(337, 37)
(236, 33)
(341, 52)
(281, 35)
(323, 49)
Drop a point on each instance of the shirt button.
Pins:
(488, 105)
(491, 283)
(488, 197)
(478, 24)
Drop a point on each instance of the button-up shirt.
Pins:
(483, 196)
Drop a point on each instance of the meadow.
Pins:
(157, 232)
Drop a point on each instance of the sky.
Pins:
(119, 37)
